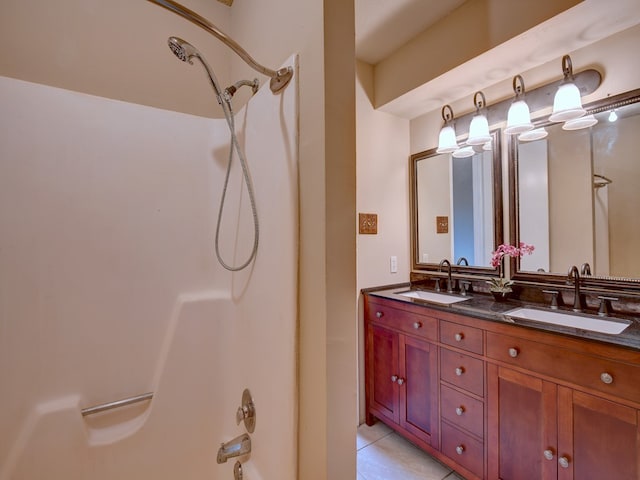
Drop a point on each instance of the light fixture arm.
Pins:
(518, 86)
(567, 67)
(447, 114)
(479, 104)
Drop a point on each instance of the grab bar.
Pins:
(117, 404)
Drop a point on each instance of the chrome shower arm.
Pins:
(279, 78)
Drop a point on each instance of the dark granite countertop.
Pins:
(482, 306)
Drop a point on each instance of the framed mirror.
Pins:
(574, 195)
(456, 208)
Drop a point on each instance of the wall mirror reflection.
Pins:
(456, 208)
(575, 195)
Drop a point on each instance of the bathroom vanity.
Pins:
(495, 397)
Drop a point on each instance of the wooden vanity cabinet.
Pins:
(542, 427)
(503, 402)
(401, 373)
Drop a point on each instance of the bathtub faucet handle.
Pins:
(247, 412)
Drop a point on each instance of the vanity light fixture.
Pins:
(447, 142)
(464, 152)
(567, 104)
(531, 135)
(479, 128)
(579, 123)
(519, 116)
(613, 116)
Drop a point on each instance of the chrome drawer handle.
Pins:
(606, 378)
(460, 449)
(459, 371)
(458, 337)
(400, 381)
(394, 378)
(564, 462)
(459, 410)
(417, 325)
(379, 314)
(513, 352)
(548, 454)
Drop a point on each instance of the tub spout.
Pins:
(234, 448)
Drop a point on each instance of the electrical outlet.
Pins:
(393, 264)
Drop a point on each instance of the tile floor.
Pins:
(384, 455)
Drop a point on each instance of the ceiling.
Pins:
(382, 26)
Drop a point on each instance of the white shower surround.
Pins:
(109, 287)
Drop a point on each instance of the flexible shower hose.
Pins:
(225, 102)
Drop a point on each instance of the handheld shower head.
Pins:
(182, 49)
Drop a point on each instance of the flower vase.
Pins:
(500, 296)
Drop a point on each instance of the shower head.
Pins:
(182, 49)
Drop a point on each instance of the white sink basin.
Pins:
(433, 297)
(583, 322)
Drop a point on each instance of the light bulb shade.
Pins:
(531, 135)
(464, 152)
(518, 118)
(487, 147)
(567, 104)
(579, 123)
(613, 116)
(478, 130)
(447, 140)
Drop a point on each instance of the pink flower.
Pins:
(506, 250)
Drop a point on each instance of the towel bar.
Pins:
(117, 404)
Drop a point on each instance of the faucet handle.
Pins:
(465, 286)
(247, 412)
(556, 298)
(605, 305)
(437, 286)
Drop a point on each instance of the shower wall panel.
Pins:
(109, 287)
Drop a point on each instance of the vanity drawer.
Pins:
(461, 336)
(461, 410)
(595, 373)
(462, 371)
(407, 322)
(463, 449)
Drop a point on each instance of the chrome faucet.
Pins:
(449, 282)
(463, 260)
(585, 269)
(234, 448)
(574, 275)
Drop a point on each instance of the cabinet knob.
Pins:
(564, 462)
(394, 378)
(417, 325)
(458, 337)
(548, 454)
(513, 352)
(606, 378)
(379, 314)
(459, 371)
(459, 449)
(400, 381)
(459, 410)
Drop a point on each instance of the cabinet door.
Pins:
(597, 438)
(522, 426)
(383, 372)
(418, 388)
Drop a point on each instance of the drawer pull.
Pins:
(548, 454)
(379, 314)
(606, 378)
(458, 337)
(400, 381)
(417, 325)
(460, 449)
(459, 371)
(513, 352)
(564, 462)
(394, 378)
(459, 410)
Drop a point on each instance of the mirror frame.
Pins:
(609, 283)
(498, 230)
